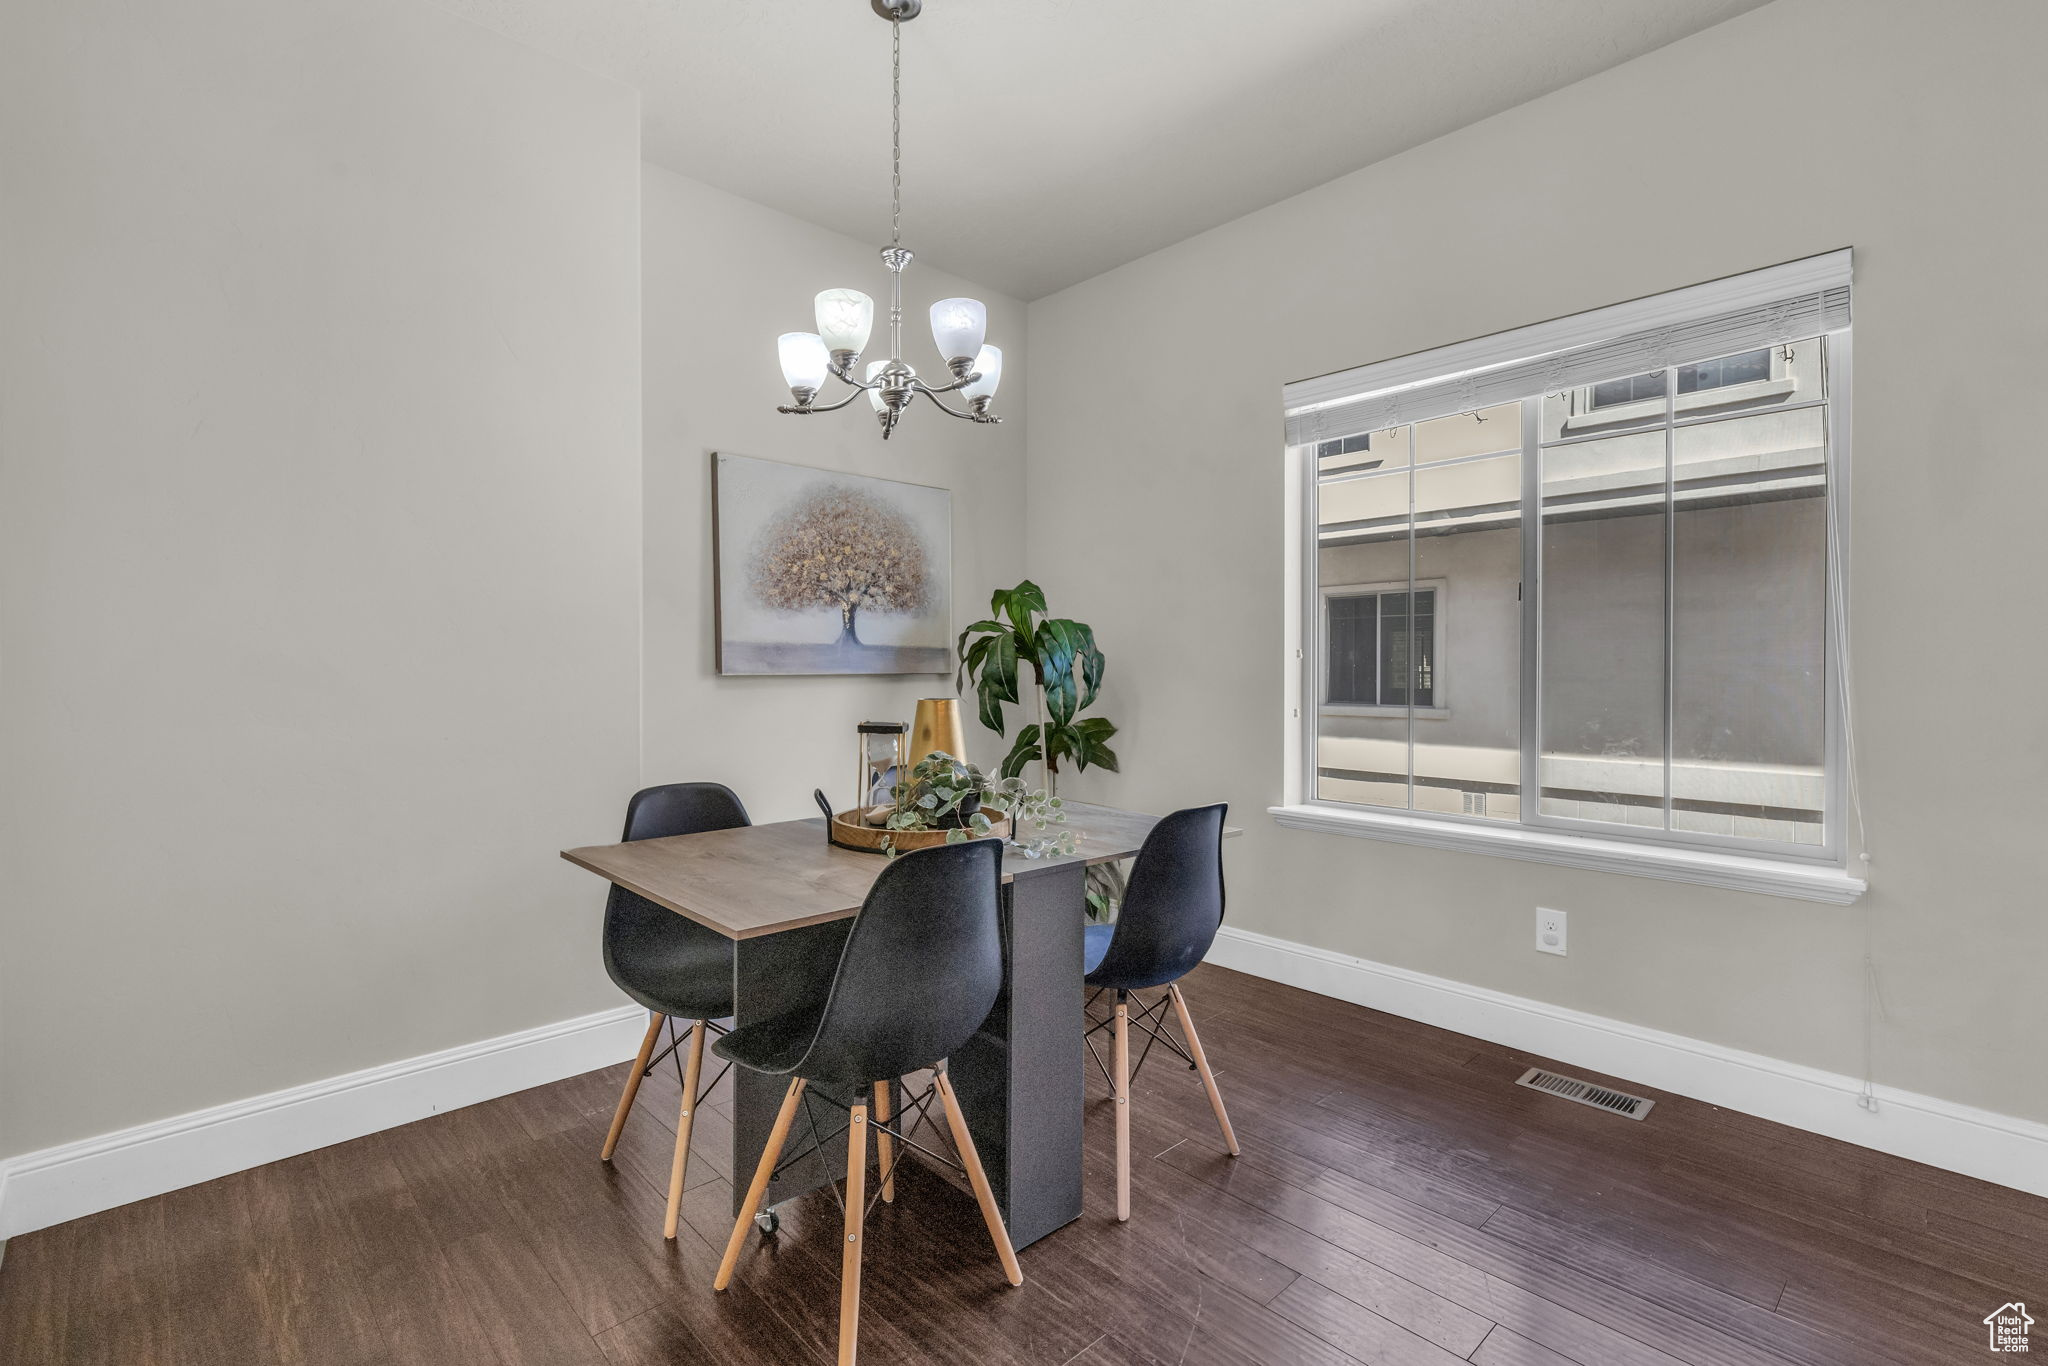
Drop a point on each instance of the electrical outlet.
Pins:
(1549, 931)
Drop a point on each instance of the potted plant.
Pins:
(1066, 668)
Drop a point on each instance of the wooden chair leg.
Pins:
(856, 1215)
(1187, 1027)
(1122, 1076)
(978, 1179)
(611, 1140)
(692, 1070)
(770, 1155)
(885, 1146)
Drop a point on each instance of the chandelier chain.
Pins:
(896, 133)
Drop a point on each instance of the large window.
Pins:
(1643, 563)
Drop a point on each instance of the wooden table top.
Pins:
(759, 879)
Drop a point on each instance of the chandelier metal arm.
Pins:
(826, 408)
(844, 374)
(931, 393)
(960, 383)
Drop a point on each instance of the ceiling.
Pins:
(1046, 141)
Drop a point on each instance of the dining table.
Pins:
(787, 897)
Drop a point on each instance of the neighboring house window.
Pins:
(1345, 455)
(1644, 650)
(1381, 641)
(1634, 389)
(1746, 367)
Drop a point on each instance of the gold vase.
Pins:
(936, 726)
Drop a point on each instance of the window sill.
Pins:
(1359, 709)
(1792, 878)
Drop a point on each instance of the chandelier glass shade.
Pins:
(846, 317)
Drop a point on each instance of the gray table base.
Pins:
(1019, 1078)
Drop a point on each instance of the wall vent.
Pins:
(1586, 1093)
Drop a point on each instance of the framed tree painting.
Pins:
(827, 573)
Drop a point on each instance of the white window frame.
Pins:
(1800, 872)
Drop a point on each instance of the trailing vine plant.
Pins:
(944, 793)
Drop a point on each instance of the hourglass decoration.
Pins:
(882, 762)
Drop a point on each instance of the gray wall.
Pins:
(319, 543)
(1497, 226)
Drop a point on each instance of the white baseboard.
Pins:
(48, 1187)
(1959, 1138)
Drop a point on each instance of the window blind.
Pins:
(1763, 308)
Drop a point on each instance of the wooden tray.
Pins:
(849, 832)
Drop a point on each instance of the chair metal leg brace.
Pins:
(675, 1041)
(1146, 1052)
(855, 1205)
(885, 1154)
(1100, 1065)
(901, 1133)
(1151, 1019)
(899, 1130)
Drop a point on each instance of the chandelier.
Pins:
(847, 316)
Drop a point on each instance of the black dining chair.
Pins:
(678, 969)
(1172, 908)
(919, 974)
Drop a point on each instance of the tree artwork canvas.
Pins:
(827, 573)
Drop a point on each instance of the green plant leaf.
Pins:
(1091, 743)
(1093, 664)
(1055, 649)
(971, 663)
(1060, 743)
(998, 683)
(1022, 752)
(970, 655)
(1019, 603)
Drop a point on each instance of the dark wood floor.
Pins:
(1398, 1200)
